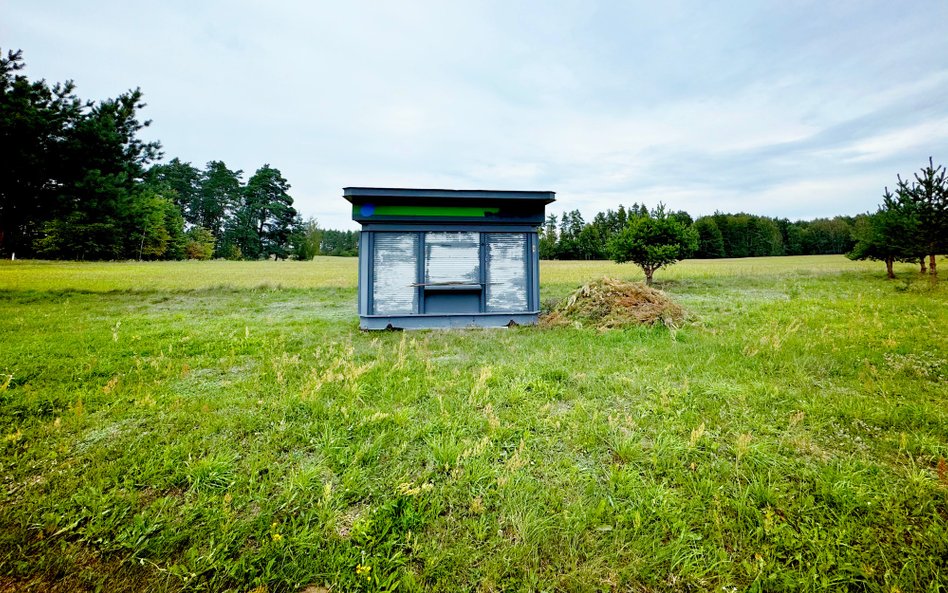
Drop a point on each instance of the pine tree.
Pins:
(66, 188)
(264, 216)
(889, 235)
(35, 119)
(929, 192)
(219, 195)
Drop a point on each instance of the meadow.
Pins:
(225, 426)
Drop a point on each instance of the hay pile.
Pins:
(609, 303)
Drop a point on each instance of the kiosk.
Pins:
(436, 258)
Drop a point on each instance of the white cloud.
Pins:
(912, 139)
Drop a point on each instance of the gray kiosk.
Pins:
(434, 258)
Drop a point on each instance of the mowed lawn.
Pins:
(225, 426)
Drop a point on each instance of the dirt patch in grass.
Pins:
(345, 521)
(608, 303)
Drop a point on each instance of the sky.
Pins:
(786, 108)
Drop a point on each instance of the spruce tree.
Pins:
(929, 193)
(889, 235)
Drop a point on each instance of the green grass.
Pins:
(225, 426)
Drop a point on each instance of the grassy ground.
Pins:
(225, 426)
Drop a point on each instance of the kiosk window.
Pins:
(452, 258)
(394, 268)
(506, 261)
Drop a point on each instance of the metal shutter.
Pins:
(506, 271)
(452, 258)
(394, 268)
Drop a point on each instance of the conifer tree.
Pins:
(889, 235)
(548, 238)
(929, 193)
(710, 241)
(219, 195)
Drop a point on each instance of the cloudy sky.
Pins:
(783, 108)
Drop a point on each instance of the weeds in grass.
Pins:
(214, 473)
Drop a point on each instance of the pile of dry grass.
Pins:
(609, 303)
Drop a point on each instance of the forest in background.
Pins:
(77, 182)
(719, 235)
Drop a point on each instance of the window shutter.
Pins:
(506, 271)
(452, 258)
(394, 269)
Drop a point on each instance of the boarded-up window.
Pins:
(394, 267)
(452, 258)
(506, 271)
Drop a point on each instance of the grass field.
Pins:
(224, 426)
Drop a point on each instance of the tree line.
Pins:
(718, 235)
(77, 182)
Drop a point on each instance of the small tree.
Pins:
(155, 226)
(200, 243)
(306, 239)
(652, 241)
